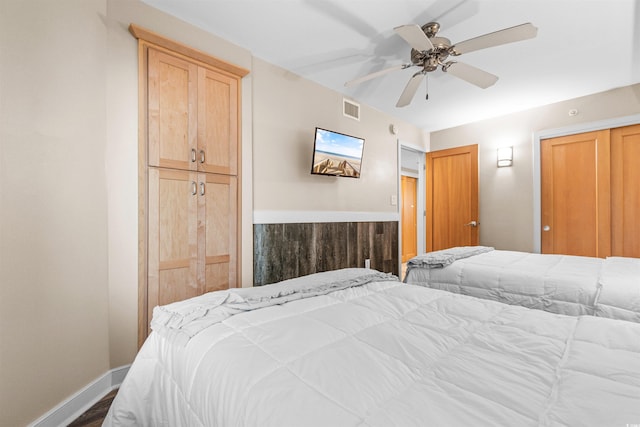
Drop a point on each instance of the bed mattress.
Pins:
(564, 284)
(378, 353)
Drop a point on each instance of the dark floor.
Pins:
(95, 415)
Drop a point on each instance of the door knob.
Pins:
(546, 228)
(472, 224)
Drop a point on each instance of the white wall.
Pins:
(53, 203)
(507, 194)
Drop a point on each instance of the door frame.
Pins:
(563, 131)
(420, 197)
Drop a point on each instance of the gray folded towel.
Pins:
(442, 258)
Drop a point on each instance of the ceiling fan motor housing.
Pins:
(431, 59)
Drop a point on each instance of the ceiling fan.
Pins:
(430, 52)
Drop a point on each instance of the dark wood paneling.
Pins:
(285, 251)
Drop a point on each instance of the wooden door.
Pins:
(172, 114)
(575, 198)
(409, 217)
(625, 191)
(218, 231)
(217, 122)
(452, 198)
(173, 237)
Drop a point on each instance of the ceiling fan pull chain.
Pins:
(426, 83)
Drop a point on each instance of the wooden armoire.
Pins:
(189, 163)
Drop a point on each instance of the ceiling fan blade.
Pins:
(410, 90)
(414, 35)
(470, 74)
(497, 38)
(376, 74)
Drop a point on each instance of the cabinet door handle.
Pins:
(201, 156)
(194, 188)
(193, 155)
(202, 188)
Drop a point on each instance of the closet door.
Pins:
(625, 191)
(172, 114)
(172, 237)
(576, 195)
(218, 231)
(217, 122)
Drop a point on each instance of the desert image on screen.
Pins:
(337, 154)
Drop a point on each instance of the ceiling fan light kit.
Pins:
(429, 51)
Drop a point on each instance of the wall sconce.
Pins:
(505, 157)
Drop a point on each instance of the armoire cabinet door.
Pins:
(217, 122)
(173, 236)
(192, 234)
(218, 231)
(172, 111)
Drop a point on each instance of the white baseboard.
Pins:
(76, 405)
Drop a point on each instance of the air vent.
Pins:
(351, 109)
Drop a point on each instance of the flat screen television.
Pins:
(336, 154)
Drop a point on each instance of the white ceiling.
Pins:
(582, 47)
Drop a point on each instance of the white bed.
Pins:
(358, 348)
(562, 284)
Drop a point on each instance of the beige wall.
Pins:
(507, 194)
(286, 110)
(53, 206)
(68, 183)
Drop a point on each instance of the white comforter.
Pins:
(563, 284)
(619, 297)
(385, 353)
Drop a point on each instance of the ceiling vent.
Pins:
(351, 109)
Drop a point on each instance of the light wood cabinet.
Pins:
(189, 174)
(192, 116)
(192, 234)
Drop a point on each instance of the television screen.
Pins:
(336, 154)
